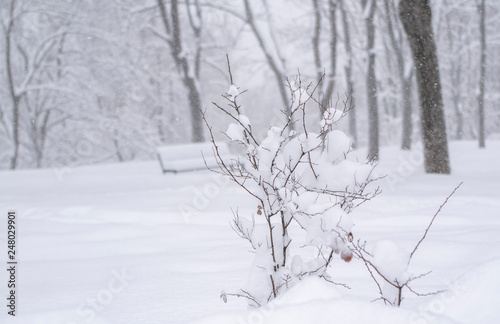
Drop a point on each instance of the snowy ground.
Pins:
(125, 244)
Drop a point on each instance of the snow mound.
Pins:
(475, 290)
(315, 301)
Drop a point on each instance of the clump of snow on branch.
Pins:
(233, 92)
(330, 117)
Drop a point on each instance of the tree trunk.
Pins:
(40, 144)
(480, 98)
(332, 8)
(407, 110)
(12, 92)
(316, 40)
(330, 77)
(456, 65)
(456, 95)
(371, 81)
(348, 74)
(188, 74)
(417, 21)
(404, 79)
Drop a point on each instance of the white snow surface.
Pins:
(315, 301)
(122, 243)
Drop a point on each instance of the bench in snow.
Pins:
(192, 157)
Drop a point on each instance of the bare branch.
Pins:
(432, 221)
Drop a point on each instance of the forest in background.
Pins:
(85, 82)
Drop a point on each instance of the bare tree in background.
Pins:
(92, 82)
(316, 39)
(416, 17)
(10, 81)
(267, 42)
(327, 91)
(348, 67)
(482, 77)
(14, 97)
(456, 47)
(459, 63)
(32, 60)
(189, 71)
(368, 7)
(405, 75)
(330, 80)
(276, 62)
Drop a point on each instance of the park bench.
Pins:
(192, 156)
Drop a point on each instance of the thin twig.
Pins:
(229, 68)
(432, 221)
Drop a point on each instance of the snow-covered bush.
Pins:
(299, 179)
